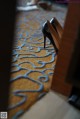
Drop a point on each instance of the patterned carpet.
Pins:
(32, 65)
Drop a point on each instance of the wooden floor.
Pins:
(52, 106)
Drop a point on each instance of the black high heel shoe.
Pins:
(50, 32)
(57, 26)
